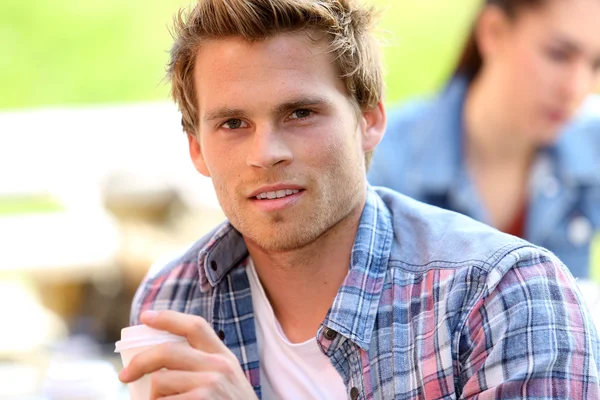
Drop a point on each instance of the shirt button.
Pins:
(329, 334)
(354, 393)
(579, 231)
(221, 335)
(213, 265)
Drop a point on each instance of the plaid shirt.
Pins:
(435, 305)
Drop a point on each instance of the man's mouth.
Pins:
(278, 194)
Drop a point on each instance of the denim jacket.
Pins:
(434, 305)
(421, 156)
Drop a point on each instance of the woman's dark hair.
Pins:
(470, 60)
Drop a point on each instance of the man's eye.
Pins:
(234, 123)
(301, 113)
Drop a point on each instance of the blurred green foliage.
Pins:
(75, 52)
(29, 204)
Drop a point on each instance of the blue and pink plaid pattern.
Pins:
(435, 305)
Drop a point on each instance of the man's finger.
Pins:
(193, 395)
(166, 383)
(174, 356)
(198, 332)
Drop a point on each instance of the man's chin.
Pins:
(280, 238)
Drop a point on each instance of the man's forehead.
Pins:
(232, 73)
(286, 49)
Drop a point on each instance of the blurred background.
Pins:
(95, 182)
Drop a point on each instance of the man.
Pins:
(319, 286)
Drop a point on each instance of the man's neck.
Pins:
(301, 284)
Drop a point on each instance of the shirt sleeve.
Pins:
(530, 336)
(145, 298)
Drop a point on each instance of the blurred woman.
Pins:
(514, 138)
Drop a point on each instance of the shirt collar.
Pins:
(225, 250)
(354, 308)
(575, 154)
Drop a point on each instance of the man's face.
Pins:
(280, 138)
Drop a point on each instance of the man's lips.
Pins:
(276, 200)
(279, 194)
(275, 191)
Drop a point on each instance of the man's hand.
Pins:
(205, 370)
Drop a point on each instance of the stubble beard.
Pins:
(295, 229)
(283, 231)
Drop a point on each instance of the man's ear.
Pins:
(373, 126)
(196, 154)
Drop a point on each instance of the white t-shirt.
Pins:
(289, 370)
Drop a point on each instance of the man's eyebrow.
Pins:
(224, 113)
(302, 102)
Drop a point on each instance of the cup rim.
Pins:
(143, 335)
(124, 345)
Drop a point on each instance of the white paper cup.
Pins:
(136, 339)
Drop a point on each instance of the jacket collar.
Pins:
(438, 141)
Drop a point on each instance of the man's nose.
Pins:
(268, 148)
